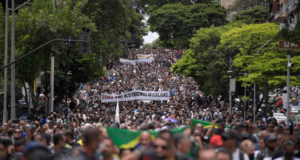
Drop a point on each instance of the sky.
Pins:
(151, 35)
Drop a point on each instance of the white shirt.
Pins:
(236, 155)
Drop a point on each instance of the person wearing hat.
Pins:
(230, 140)
(271, 142)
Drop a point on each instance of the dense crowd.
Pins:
(79, 130)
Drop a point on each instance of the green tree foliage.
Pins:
(147, 46)
(176, 23)
(114, 20)
(242, 5)
(148, 6)
(270, 63)
(206, 61)
(40, 22)
(256, 14)
(154, 44)
(108, 21)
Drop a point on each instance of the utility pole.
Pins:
(288, 87)
(52, 83)
(254, 103)
(245, 94)
(13, 70)
(5, 62)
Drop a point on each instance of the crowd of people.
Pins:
(78, 130)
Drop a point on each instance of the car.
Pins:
(295, 111)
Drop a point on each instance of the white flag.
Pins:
(117, 119)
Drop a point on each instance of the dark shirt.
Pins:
(74, 144)
(83, 156)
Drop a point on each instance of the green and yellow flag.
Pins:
(125, 139)
(204, 123)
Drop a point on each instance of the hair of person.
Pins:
(19, 142)
(45, 136)
(6, 142)
(150, 126)
(207, 148)
(110, 139)
(165, 131)
(39, 154)
(57, 137)
(70, 134)
(143, 127)
(17, 128)
(179, 138)
(245, 144)
(164, 139)
(90, 135)
(288, 143)
(224, 151)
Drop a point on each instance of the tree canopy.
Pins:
(210, 49)
(256, 14)
(110, 23)
(176, 23)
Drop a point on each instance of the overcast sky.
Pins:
(151, 35)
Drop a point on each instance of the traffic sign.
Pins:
(283, 44)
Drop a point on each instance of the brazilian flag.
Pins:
(125, 139)
(205, 123)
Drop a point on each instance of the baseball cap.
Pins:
(216, 140)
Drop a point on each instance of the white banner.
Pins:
(145, 56)
(133, 62)
(136, 95)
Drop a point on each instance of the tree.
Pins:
(147, 46)
(176, 23)
(155, 44)
(206, 61)
(116, 21)
(271, 63)
(256, 14)
(242, 5)
(39, 23)
(149, 6)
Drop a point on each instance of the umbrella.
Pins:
(170, 119)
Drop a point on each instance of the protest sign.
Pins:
(136, 95)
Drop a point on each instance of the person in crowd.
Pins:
(59, 150)
(43, 138)
(145, 139)
(230, 143)
(108, 150)
(223, 154)
(207, 153)
(271, 143)
(248, 147)
(288, 147)
(17, 132)
(92, 145)
(182, 143)
(70, 139)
